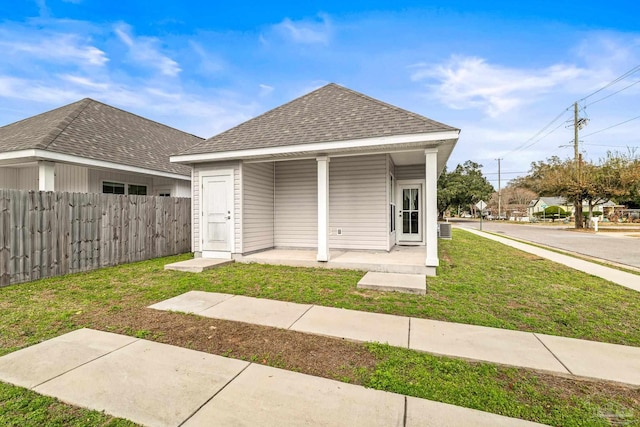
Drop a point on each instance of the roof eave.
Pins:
(37, 154)
(319, 147)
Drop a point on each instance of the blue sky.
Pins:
(501, 71)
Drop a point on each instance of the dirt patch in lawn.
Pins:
(310, 354)
(295, 351)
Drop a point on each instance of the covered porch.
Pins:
(400, 259)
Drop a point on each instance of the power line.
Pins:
(614, 93)
(612, 126)
(538, 136)
(528, 141)
(504, 173)
(612, 146)
(614, 81)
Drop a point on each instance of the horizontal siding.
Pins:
(296, 204)
(72, 179)
(258, 211)
(358, 202)
(410, 172)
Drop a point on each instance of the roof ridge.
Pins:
(144, 118)
(64, 123)
(386, 104)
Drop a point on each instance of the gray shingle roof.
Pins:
(94, 130)
(331, 113)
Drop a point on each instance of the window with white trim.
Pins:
(109, 187)
(137, 190)
(392, 204)
(113, 188)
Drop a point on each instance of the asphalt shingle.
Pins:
(331, 113)
(98, 131)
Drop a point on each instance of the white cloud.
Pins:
(306, 32)
(36, 91)
(209, 63)
(43, 10)
(265, 89)
(144, 51)
(55, 48)
(471, 82)
(84, 82)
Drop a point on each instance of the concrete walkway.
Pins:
(558, 355)
(622, 278)
(161, 385)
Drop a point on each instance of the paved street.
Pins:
(615, 247)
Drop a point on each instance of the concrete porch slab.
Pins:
(481, 343)
(426, 413)
(401, 259)
(355, 325)
(593, 359)
(146, 382)
(278, 314)
(192, 302)
(197, 265)
(28, 367)
(394, 282)
(270, 397)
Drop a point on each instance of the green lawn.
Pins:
(479, 282)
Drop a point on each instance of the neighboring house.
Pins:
(91, 147)
(333, 169)
(539, 205)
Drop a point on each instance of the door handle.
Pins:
(229, 217)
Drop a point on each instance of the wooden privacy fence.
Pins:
(45, 234)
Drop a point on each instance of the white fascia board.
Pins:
(319, 147)
(37, 154)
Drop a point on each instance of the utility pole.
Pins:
(578, 202)
(499, 190)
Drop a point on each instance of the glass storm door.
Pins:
(217, 202)
(410, 213)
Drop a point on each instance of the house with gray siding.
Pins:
(91, 147)
(331, 170)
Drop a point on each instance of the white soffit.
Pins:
(322, 147)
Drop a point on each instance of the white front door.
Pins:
(410, 213)
(217, 218)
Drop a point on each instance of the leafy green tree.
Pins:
(463, 186)
(615, 177)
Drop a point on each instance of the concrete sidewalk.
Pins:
(622, 278)
(162, 385)
(558, 355)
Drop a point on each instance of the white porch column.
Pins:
(323, 208)
(46, 176)
(431, 206)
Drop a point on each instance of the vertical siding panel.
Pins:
(8, 178)
(258, 209)
(27, 178)
(296, 204)
(71, 178)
